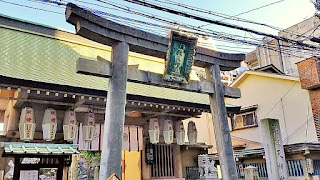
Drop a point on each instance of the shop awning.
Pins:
(17, 148)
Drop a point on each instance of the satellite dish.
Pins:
(316, 4)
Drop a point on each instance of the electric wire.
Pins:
(227, 39)
(235, 18)
(287, 92)
(224, 16)
(208, 20)
(21, 5)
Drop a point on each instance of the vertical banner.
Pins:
(180, 57)
(83, 145)
(125, 142)
(133, 138)
(101, 136)
(273, 147)
(96, 138)
(140, 138)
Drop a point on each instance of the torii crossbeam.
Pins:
(122, 39)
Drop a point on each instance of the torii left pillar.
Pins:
(115, 113)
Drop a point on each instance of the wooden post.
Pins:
(177, 161)
(115, 113)
(220, 125)
(16, 172)
(273, 148)
(60, 169)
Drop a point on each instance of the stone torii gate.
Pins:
(122, 38)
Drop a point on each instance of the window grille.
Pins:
(316, 166)
(163, 165)
(192, 173)
(295, 168)
(244, 120)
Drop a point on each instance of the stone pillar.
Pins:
(177, 161)
(273, 148)
(220, 125)
(115, 113)
(251, 173)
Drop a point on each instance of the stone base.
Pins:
(209, 178)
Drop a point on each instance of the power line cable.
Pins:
(204, 19)
(224, 16)
(21, 5)
(229, 17)
(219, 37)
(287, 92)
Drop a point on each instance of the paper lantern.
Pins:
(168, 131)
(70, 125)
(180, 133)
(154, 131)
(88, 127)
(27, 125)
(49, 124)
(192, 133)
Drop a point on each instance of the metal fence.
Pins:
(262, 169)
(295, 168)
(192, 173)
(163, 165)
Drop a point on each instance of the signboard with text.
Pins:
(273, 147)
(180, 57)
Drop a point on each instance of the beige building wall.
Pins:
(306, 28)
(290, 54)
(204, 126)
(279, 97)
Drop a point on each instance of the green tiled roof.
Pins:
(40, 148)
(42, 58)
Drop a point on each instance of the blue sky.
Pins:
(282, 14)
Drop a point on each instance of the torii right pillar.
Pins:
(220, 125)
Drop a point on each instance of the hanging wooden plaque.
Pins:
(180, 57)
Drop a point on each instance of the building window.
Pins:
(244, 120)
(163, 165)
